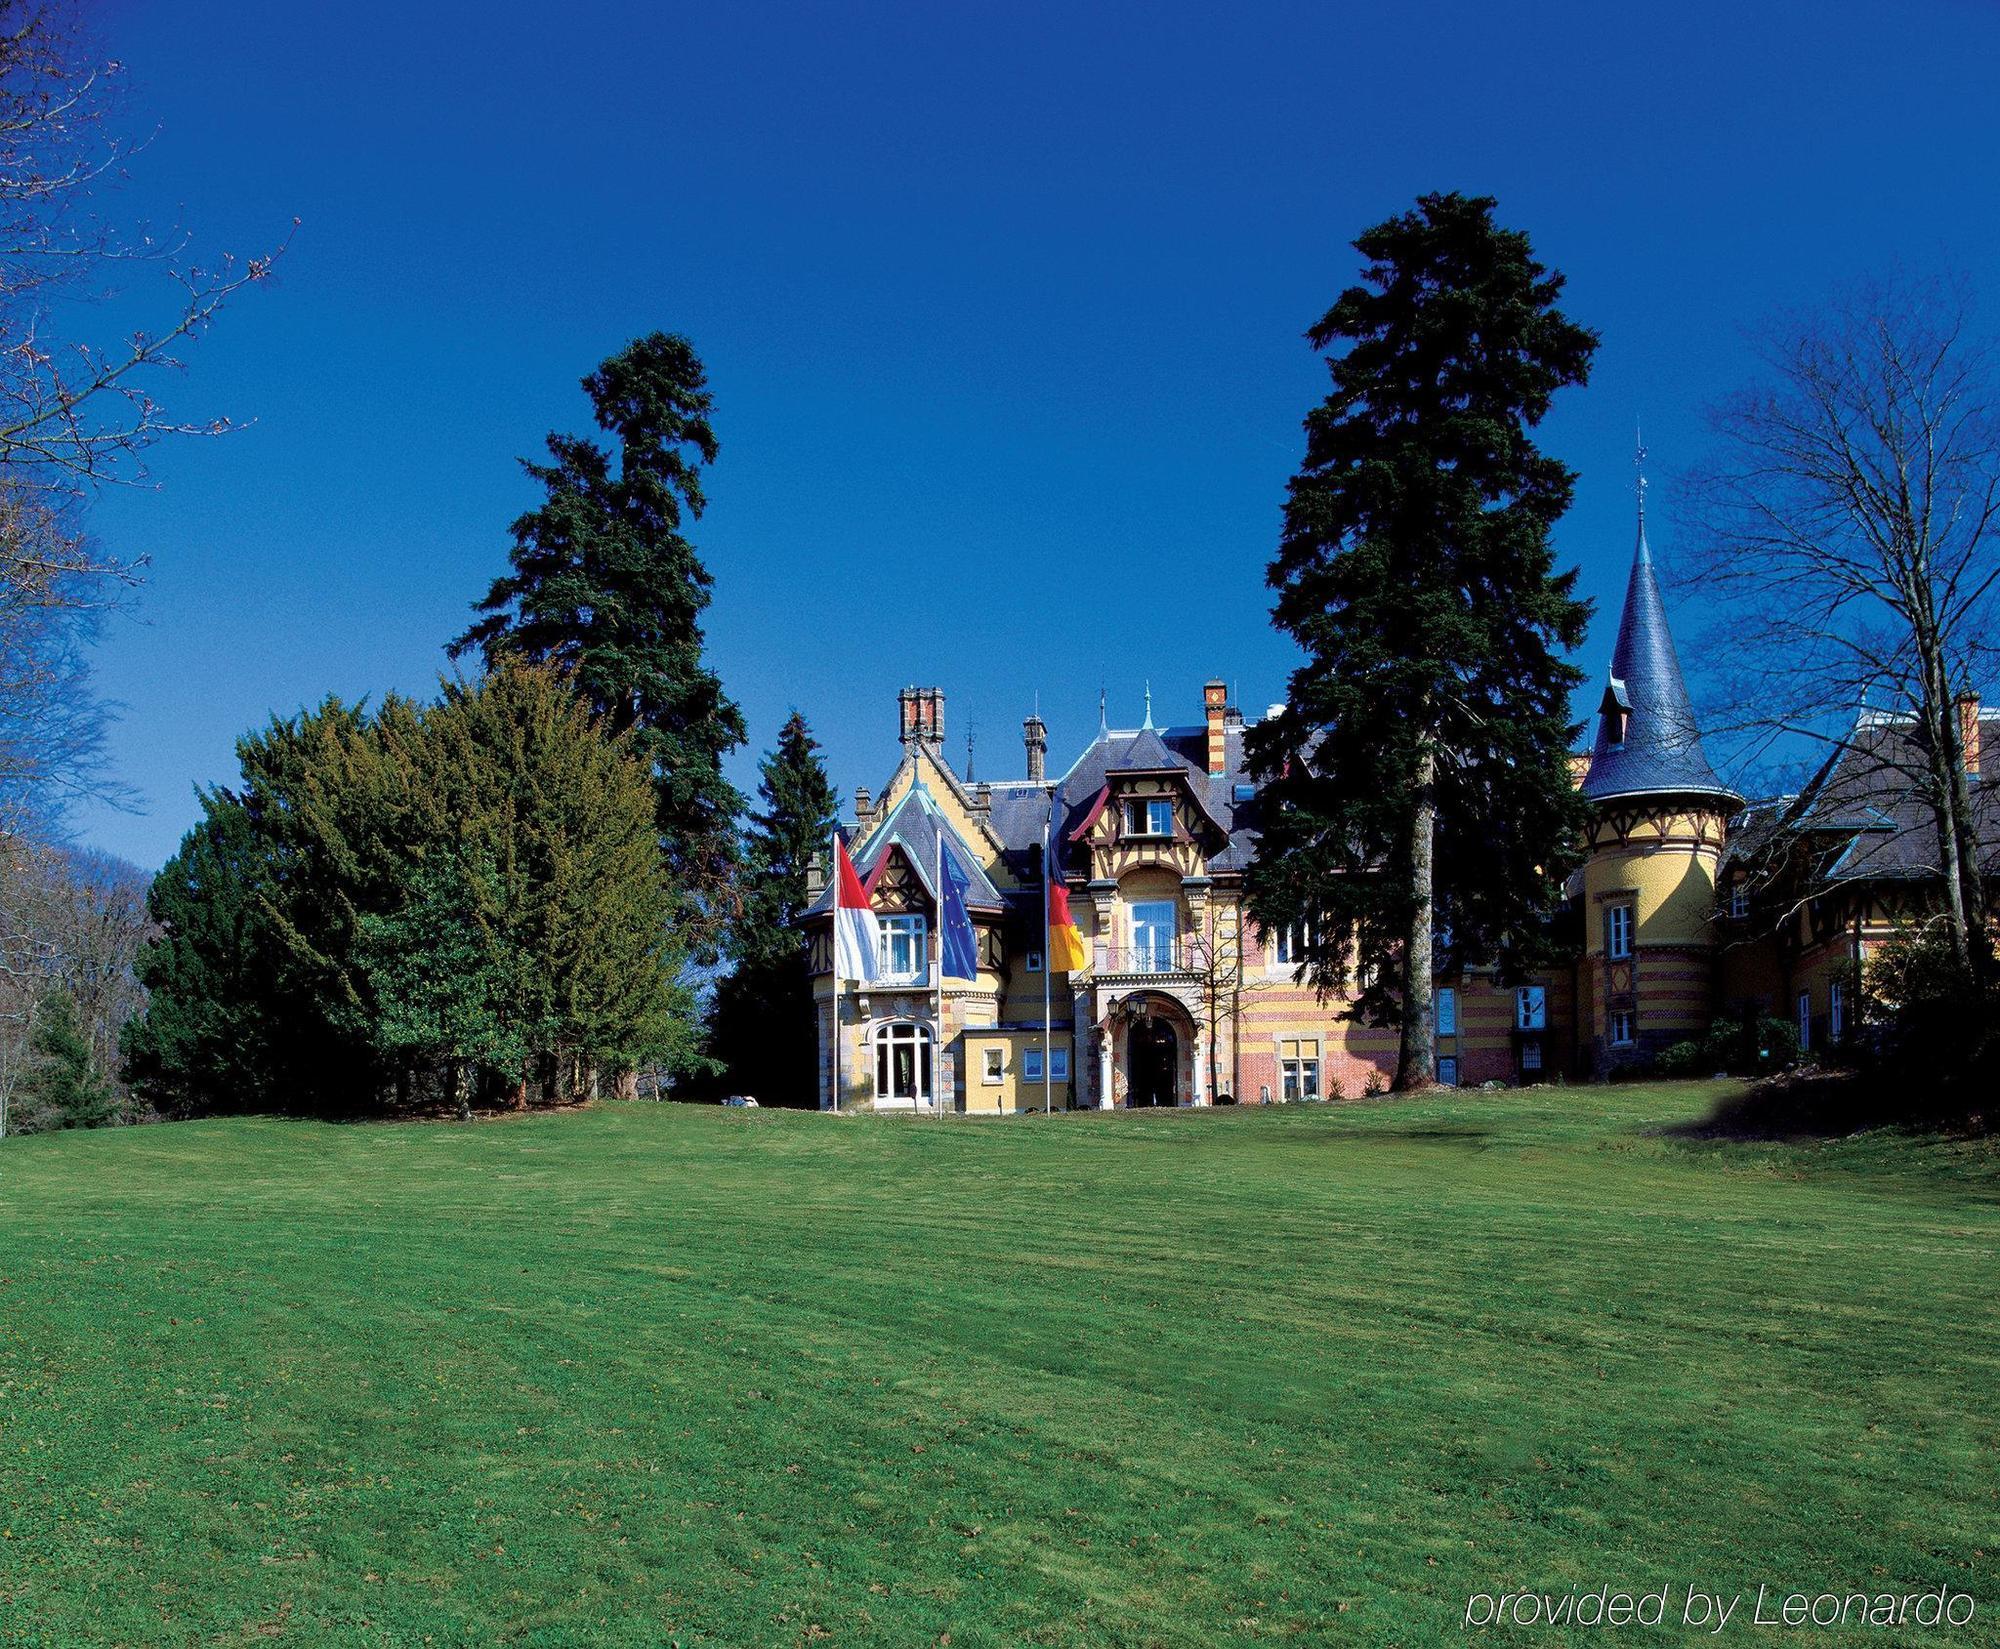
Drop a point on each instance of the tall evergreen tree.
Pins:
(64, 1087)
(1417, 784)
(606, 585)
(762, 1016)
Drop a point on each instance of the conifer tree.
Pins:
(605, 584)
(762, 1014)
(1417, 785)
(64, 1088)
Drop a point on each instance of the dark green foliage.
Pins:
(1416, 572)
(63, 1087)
(1935, 1025)
(430, 902)
(1753, 1046)
(762, 1016)
(209, 1039)
(606, 586)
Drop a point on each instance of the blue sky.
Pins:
(1002, 307)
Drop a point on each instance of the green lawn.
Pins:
(651, 1373)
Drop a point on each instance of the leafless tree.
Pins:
(71, 922)
(76, 415)
(1845, 546)
(1219, 953)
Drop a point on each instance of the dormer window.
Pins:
(1616, 711)
(1149, 816)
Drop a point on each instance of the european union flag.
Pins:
(955, 936)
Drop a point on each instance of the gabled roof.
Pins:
(1869, 791)
(1657, 749)
(915, 825)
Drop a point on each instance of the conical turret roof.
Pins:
(1647, 741)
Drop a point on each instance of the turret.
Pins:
(1658, 818)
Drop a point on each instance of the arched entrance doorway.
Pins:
(1152, 1063)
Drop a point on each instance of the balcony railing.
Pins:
(1173, 956)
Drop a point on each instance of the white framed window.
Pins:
(996, 1064)
(1621, 1028)
(1448, 1072)
(1153, 936)
(1034, 961)
(1298, 1067)
(1739, 900)
(1618, 933)
(903, 1063)
(1447, 1011)
(1149, 816)
(1292, 943)
(905, 948)
(1836, 1011)
(1031, 1064)
(1531, 1010)
(1805, 1020)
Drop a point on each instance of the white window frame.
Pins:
(1301, 1079)
(1447, 1010)
(1836, 1011)
(1618, 933)
(1144, 813)
(1805, 1020)
(1531, 1008)
(1031, 1065)
(1291, 944)
(1739, 900)
(1148, 957)
(910, 930)
(891, 1035)
(995, 1065)
(1624, 1033)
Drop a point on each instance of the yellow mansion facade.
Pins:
(1690, 905)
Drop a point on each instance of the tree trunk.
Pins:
(1944, 751)
(1416, 1063)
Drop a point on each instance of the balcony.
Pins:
(1163, 956)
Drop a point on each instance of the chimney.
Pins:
(1968, 731)
(921, 715)
(1215, 701)
(864, 806)
(1035, 733)
(982, 800)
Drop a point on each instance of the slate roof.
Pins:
(1866, 806)
(1661, 748)
(915, 825)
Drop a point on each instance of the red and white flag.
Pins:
(857, 952)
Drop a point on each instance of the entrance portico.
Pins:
(1149, 1049)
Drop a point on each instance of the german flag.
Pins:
(1065, 952)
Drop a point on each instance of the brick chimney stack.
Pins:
(864, 806)
(1035, 734)
(1968, 731)
(1215, 701)
(921, 713)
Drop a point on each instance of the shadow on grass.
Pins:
(1832, 1105)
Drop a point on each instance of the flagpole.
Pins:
(833, 934)
(1048, 1074)
(937, 1047)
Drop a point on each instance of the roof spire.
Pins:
(1639, 483)
(1103, 725)
(1149, 705)
(1647, 740)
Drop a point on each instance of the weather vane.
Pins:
(1639, 469)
